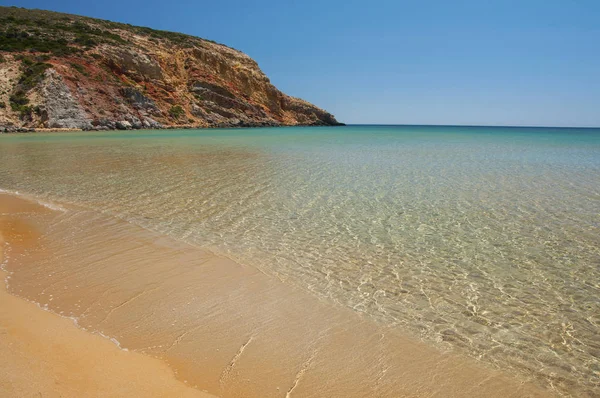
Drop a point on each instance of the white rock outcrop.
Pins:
(60, 109)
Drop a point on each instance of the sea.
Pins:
(484, 241)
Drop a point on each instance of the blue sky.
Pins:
(477, 62)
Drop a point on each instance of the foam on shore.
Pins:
(45, 203)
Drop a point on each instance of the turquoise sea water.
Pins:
(478, 239)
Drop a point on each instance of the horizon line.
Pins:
(473, 125)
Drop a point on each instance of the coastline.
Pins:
(22, 130)
(48, 355)
(246, 335)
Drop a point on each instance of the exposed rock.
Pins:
(129, 61)
(125, 77)
(13, 129)
(60, 109)
(205, 87)
(308, 113)
(123, 125)
(151, 123)
(139, 100)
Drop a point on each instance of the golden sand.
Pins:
(45, 355)
(225, 328)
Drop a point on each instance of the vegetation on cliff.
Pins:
(66, 71)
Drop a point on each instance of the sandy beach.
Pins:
(45, 355)
(48, 356)
(247, 335)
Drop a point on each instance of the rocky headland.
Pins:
(61, 71)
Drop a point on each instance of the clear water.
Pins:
(483, 240)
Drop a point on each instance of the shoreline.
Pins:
(25, 130)
(56, 358)
(261, 339)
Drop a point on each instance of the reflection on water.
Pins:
(483, 240)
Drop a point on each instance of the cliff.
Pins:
(67, 71)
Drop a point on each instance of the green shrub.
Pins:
(14, 40)
(18, 99)
(19, 103)
(176, 111)
(79, 68)
(86, 40)
(58, 36)
(45, 28)
(32, 73)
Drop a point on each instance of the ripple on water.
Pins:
(482, 240)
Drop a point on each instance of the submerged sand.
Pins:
(45, 355)
(222, 327)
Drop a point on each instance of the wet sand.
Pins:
(222, 327)
(46, 355)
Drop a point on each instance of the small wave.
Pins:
(48, 205)
(75, 320)
(112, 340)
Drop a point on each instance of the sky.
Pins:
(461, 62)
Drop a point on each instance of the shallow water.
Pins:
(482, 240)
(223, 327)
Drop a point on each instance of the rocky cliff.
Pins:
(66, 71)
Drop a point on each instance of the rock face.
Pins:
(67, 71)
(59, 109)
